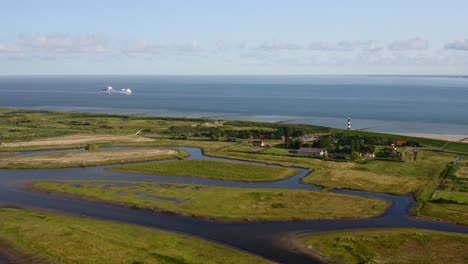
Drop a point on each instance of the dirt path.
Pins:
(91, 157)
(78, 139)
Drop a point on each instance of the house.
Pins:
(390, 151)
(401, 142)
(306, 139)
(310, 152)
(258, 144)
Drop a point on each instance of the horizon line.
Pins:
(237, 75)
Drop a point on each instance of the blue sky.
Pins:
(234, 37)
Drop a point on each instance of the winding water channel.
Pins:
(261, 238)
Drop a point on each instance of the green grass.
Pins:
(462, 171)
(449, 201)
(66, 239)
(246, 148)
(22, 125)
(384, 176)
(224, 203)
(457, 146)
(346, 178)
(277, 151)
(430, 165)
(211, 169)
(457, 213)
(8, 154)
(456, 197)
(428, 142)
(388, 246)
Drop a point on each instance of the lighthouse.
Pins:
(349, 123)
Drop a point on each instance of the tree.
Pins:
(326, 143)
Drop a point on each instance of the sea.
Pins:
(399, 104)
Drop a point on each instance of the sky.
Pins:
(233, 37)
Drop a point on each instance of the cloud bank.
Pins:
(457, 45)
(409, 44)
(143, 47)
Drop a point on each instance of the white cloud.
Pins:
(143, 47)
(344, 46)
(52, 45)
(9, 48)
(278, 46)
(409, 44)
(457, 45)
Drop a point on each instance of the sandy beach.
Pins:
(455, 138)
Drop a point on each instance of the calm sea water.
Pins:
(391, 104)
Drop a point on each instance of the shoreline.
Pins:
(446, 137)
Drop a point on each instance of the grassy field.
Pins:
(455, 197)
(427, 165)
(22, 125)
(245, 148)
(14, 255)
(225, 203)
(457, 146)
(452, 212)
(278, 151)
(462, 171)
(211, 169)
(389, 246)
(7, 154)
(89, 158)
(449, 202)
(339, 178)
(384, 176)
(66, 239)
(425, 141)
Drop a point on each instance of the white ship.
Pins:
(110, 90)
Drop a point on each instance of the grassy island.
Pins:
(224, 203)
(38, 237)
(211, 169)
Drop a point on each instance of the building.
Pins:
(306, 139)
(310, 152)
(401, 142)
(258, 143)
(391, 147)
